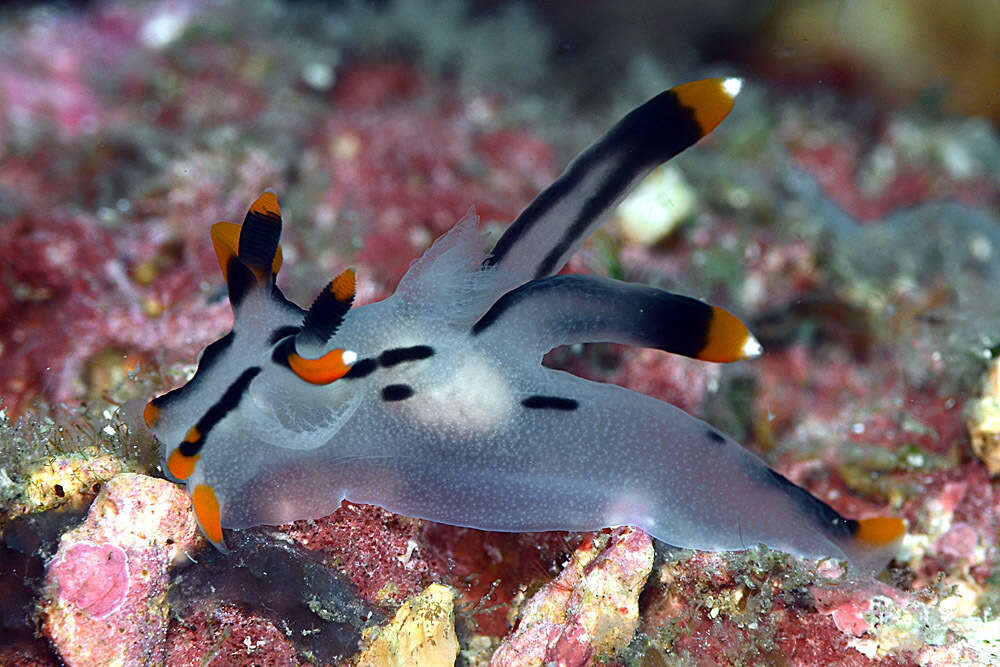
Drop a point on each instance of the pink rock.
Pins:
(847, 605)
(105, 591)
(951, 495)
(959, 542)
(849, 615)
(94, 577)
(590, 609)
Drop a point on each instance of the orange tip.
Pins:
(226, 241)
(728, 339)
(711, 100)
(331, 366)
(266, 204)
(880, 531)
(343, 286)
(180, 466)
(208, 513)
(276, 262)
(151, 414)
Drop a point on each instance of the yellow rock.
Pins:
(983, 422)
(421, 633)
(59, 479)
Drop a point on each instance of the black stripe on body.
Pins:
(550, 403)
(649, 135)
(537, 209)
(259, 238)
(209, 356)
(593, 309)
(285, 347)
(282, 332)
(229, 401)
(826, 518)
(396, 392)
(498, 309)
(399, 355)
(361, 368)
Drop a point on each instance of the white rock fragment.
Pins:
(657, 206)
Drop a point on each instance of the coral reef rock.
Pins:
(590, 609)
(105, 590)
(983, 422)
(421, 633)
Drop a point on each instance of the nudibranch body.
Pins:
(433, 403)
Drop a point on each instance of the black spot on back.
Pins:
(361, 368)
(396, 392)
(550, 403)
(715, 436)
(400, 355)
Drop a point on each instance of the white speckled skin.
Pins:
(463, 449)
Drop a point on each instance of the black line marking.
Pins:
(716, 437)
(828, 519)
(396, 392)
(597, 203)
(282, 332)
(209, 356)
(281, 351)
(624, 312)
(399, 355)
(497, 309)
(361, 368)
(229, 401)
(649, 135)
(535, 210)
(550, 403)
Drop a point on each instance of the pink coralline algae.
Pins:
(589, 610)
(380, 552)
(105, 590)
(93, 577)
(223, 634)
(408, 171)
(848, 606)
